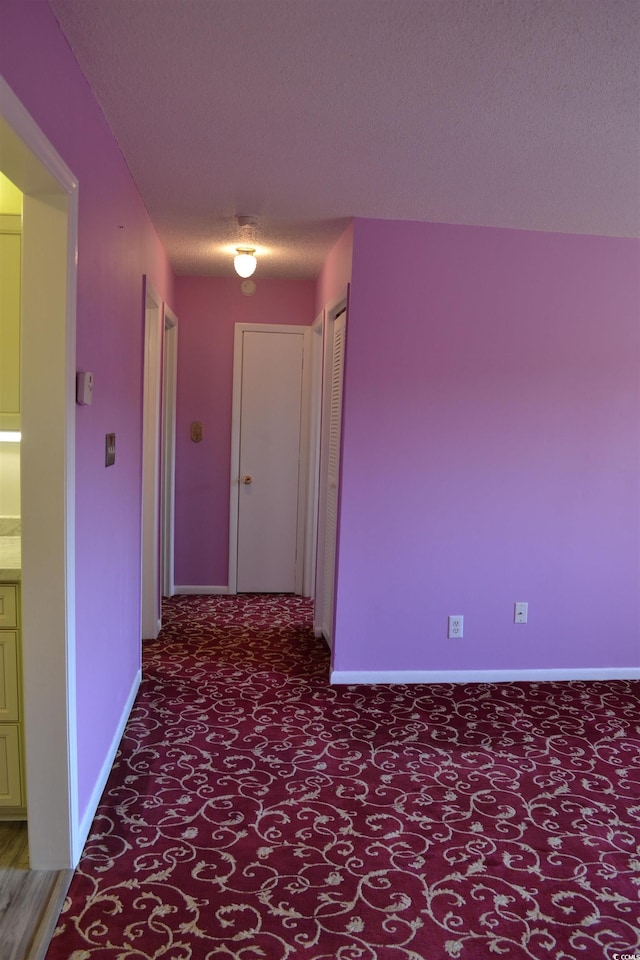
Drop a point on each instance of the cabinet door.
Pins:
(9, 701)
(10, 255)
(8, 605)
(10, 776)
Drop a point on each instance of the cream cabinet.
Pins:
(12, 792)
(10, 268)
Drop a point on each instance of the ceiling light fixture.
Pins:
(245, 261)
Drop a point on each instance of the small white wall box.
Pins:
(84, 387)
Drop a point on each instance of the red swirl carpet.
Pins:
(256, 813)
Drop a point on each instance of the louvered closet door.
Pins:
(332, 435)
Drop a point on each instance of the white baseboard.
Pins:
(204, 591)
(482, 676)
(94, 800)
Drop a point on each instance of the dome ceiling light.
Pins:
(245, 261)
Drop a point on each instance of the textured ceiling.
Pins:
(517, 113)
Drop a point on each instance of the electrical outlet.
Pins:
(520, 612)
(456, 626)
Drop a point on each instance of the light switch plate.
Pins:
(84, 387)
(520, 611)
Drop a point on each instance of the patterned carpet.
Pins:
(256, 813)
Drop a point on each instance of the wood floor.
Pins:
(30, 900)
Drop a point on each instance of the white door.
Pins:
(330, 476)
(267, 465)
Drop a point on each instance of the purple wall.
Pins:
(208, 308)
(117, 245)
(490, 436)
(491, 450)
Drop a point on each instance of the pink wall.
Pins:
(117, 245)
(208, 308)
(336, 272)
(491, 450)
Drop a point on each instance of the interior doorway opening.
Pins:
(151, 601)
(169, 390)
(47, 415)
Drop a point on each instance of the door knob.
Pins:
(247, 479)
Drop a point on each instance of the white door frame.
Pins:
(150, 532)
(169, 385)
(314, 419)
(48, 321)
(239, 330)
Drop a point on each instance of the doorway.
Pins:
(151, 609)
(269, 457)
(158, 458)
(168, 456)
(50, 230)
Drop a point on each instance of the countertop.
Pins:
(10, 558)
